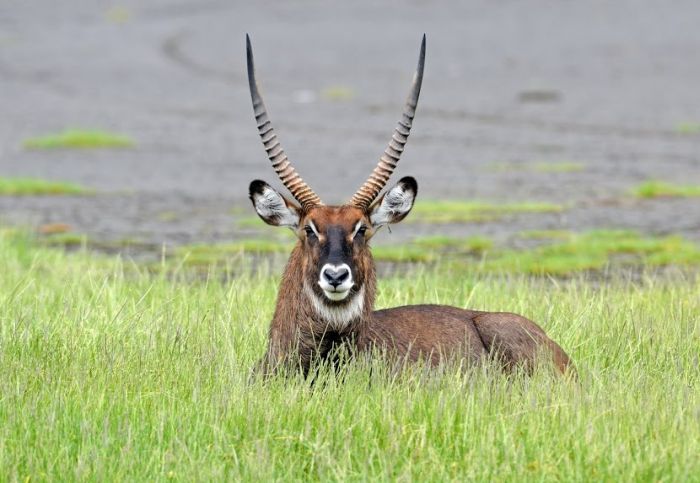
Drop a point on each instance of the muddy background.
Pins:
(508, 85)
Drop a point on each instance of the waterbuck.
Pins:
(327, 292)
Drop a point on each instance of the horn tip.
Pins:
(421, 60)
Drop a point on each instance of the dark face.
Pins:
(336, 251)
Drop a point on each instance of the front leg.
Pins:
(295, 352)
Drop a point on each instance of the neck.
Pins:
(336, 317)
(306, 325)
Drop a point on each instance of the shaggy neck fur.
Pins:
(305, 325)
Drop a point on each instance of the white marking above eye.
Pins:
(357, 228)
(313, 227)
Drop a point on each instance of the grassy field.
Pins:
(662, 189)
(470, 211)
(39, 187)
(79, 139)
(556, 253)
(111, 372)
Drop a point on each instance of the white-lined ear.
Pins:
(272, 207)
(395, 204)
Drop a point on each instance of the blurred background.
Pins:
(130, 123)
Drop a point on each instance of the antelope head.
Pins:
(333, 240)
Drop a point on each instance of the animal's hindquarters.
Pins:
(518, 342)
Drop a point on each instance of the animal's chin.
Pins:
(336, 296)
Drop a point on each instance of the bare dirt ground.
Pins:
(508, 84)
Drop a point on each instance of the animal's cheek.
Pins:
(311, 257)
(313, 252)
(360, 253)
(360, 266)
(314, 257)
(358, 247)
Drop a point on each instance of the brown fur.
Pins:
(298, 333)
(327, 292)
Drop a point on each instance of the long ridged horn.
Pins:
(388, 161)
(284, 169)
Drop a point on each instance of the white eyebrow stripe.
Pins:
(313, 227)
(357, 228)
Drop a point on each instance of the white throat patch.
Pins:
(337, 317)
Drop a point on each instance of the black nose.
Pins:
(336, 277)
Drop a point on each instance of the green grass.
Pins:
(403, 253)
(476, 244)
(338, 93)
(68, 239)
(250, 221)
(72, 240)
(79, 139)
(113, 373)
(454, 211)
(169, 216)
(562, 253)
(595, 250)
(688, 128)
(662, 189)
(430, 249)
(426, 249)
(118, 14)
(222, 253)
(546, 235)
(39, 187)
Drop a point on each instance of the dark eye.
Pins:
(309, 232)
(361, 230)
